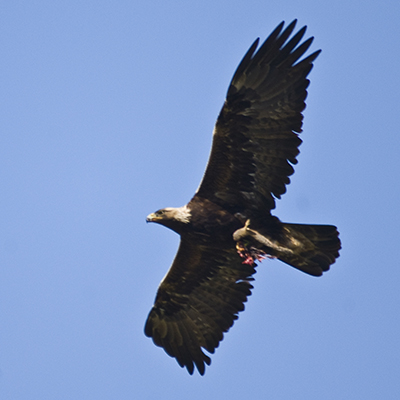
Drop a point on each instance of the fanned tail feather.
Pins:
(314, 247)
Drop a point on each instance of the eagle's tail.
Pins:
(309, 248)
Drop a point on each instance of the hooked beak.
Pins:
(151, 217)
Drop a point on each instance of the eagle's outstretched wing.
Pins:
(198, 301)
(255, 138)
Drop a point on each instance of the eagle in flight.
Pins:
(227, 226)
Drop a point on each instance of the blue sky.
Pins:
(107, 110)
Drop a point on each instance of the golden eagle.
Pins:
(228, 225)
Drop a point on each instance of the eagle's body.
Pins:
(228, 224)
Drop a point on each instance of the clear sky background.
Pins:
(106, 114)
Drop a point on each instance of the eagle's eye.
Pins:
(159, 213)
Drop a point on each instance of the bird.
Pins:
(228, 226)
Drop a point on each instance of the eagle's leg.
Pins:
(247, 251)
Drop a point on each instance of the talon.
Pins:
(240, 247)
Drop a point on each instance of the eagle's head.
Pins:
(173, 218)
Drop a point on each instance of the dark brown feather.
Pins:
(198, 301)
(259, 121)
